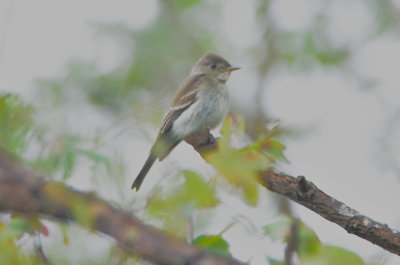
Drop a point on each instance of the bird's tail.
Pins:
(146, 167)
(161, 148)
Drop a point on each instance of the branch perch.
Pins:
(307, 194)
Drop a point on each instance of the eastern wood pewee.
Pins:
(199, 104)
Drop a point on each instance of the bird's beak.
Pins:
(232, 68)
(229, 68)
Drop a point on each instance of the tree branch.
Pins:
(22, 192)
(307, 194)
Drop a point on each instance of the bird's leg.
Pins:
(210, 139)
(202, 141)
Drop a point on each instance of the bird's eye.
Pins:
(213, 66)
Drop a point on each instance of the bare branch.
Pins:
(39, 250)
(307, 194)
(22, 192)
(292, 243)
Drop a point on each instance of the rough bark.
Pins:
(307, 194)
(310, 196)
(22, 192)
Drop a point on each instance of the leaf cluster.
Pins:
(307, 246)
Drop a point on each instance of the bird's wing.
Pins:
(184, 97)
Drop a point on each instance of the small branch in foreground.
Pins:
(39, 250)
(22, 192)
(307, 194)
(292, 243)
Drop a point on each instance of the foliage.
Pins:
(16, 123)
(18, 132)
(308, 247)
(241, 167)
(62, 154)
(214, 243)
(31, 225)
(10, 249)
(175, 206)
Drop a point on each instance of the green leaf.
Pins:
(213, 243)
(19, 226)
(226, 131)
(184, 4)
(331, 57)
(16, 124)
(330, 255)
(64, 230)
(63, 153)
(278, 230)
(10, 251)
(309, 248)
(198, 191)
(308, 242)
(175, 206)
(274, 261)
(275, 149)
(240, 167)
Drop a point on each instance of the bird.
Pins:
(199, 104)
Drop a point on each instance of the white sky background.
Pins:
(339, 154)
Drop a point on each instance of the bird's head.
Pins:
(214, 65)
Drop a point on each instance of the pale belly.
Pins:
(207, 112)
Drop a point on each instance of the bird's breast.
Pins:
(208, 111)
(215, 106)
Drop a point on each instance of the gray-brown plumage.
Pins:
(199, 104)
